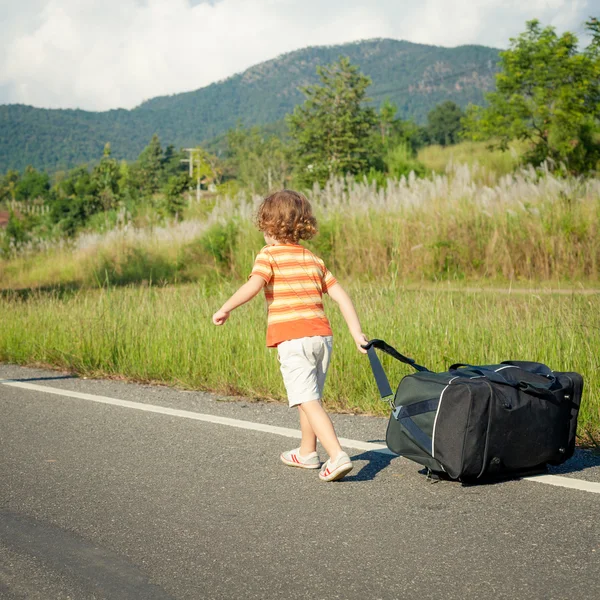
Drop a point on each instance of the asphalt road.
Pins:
(104, 501)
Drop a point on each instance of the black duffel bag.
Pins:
(474, 422)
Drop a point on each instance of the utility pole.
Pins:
(198, 182)
(190, 161)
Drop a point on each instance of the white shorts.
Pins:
(304, 364)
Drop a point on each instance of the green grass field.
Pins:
(166, 335)
(491, 163)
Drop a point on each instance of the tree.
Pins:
(387, 119)
(548, 93)
(175, 190)
(8, 185)
(74, 199)
(394, 146)
(207, 167)
(32, 185)
(15, 233)
(332, 129)
(444, 123)
(593, 26)
(106, 180)
(172, 162)
(148, 173)
(259, 162)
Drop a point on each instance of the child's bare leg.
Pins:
(309, 439)
(321, 426)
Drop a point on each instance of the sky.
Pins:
(103, 54)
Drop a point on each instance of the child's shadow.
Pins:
(376, 461)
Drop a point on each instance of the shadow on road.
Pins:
(98, 572)
(27, 379)
(376, 461)
(582, 460)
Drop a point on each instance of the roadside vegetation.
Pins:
(527, 227)
(115, 268)
(165, 335)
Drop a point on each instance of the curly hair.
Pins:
(287, 217)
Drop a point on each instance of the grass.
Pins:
(165, 335)
(488, 165)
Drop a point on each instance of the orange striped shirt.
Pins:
(296, 281)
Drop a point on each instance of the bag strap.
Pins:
(531, 367)
(401, 413)
(498, 377)
(384, 347)
(383, 385)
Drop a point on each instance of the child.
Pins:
(294, 280)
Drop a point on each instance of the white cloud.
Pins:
(100, 54)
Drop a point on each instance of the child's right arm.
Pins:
(339, 295)
(243, 295)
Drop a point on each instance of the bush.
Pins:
(374, 176)
(324, 243)
(134, 265)
(400, 162)
(15, 233)
(211, 255)
(220, 242)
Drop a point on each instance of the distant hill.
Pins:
(416, 77)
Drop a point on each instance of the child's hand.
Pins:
(360, 340)
(220, 317)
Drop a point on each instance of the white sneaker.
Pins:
(334, 470)
(293, 458)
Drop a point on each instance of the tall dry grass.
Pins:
(529, 225)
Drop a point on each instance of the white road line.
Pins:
(186, 414)
(567, 482)
(555, 480)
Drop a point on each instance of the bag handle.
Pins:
(532, 367)
(383, 385)
(497, 377)
(385, 347)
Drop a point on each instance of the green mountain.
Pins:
(415, 77)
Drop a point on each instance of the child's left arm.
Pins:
(339, 295)
(245, 293)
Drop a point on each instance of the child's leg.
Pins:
(309, 439)
(321, 426)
